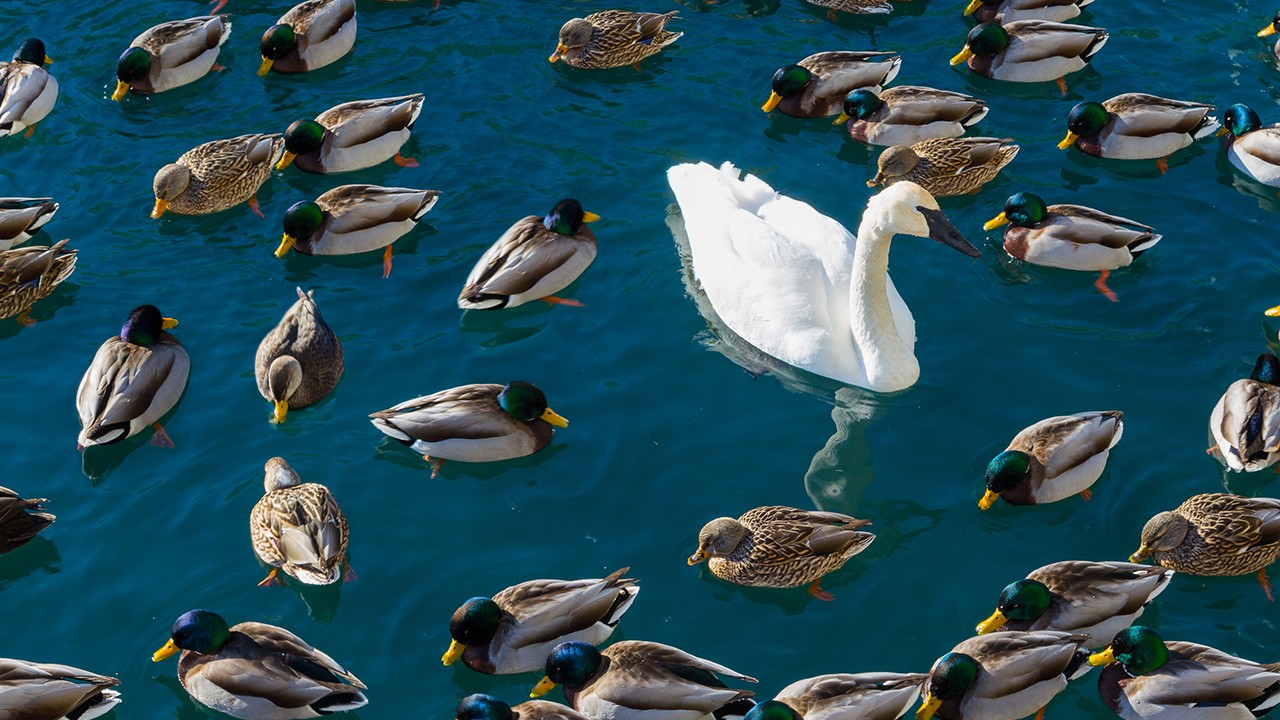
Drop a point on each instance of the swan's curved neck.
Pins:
(885, 354)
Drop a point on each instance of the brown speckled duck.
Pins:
(854, 7)
(20, 521)
(298, 527)
(300, 361)
(28, 274)
(945, 166)
(613, 38)
(217, 175)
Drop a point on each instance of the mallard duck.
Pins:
(818, 85)
(1245, 424)
(299, 528)
(1053, 459)
(635, 679)
(855, 7)
(1137, 126)
(135, 378)
(1271, 29)
(1002, 676)
(473, 423)
(217, 175)
(1098, 599)
(486, 707)
(1253, 148)
(1007, 11)
(533, 260)
(781, 547)
(353, 136)
(613, 38)
(20, 520)
(1215, 534)
(256, 671)
(1030, 50)
(40, 691)
(20, 218)
(908, 114)
(843, 696)
(1072, 237)
(300, 361)
(27, 91)
(28, 274)
(517, 629)
(945, 166)
(171, 54)
(1146, 678)
(314, 33)
(353, 219)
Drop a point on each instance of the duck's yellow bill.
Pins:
(282, 409)
(1221, 131)
(1068, 141)
(962, 56)
(1268, 30)
(930, 706)
(285, 159)
(49, 61)
(996, 222)
(992, 624)
(988, 499)
(1106, 657)
(169, 650)
(589, 216)
(842, 119)
(286, 242)
(772, 102)
(1140, 555)
(543, 687)
(1273, 312)
(560, 48)
(265, 67)
(697, 557)
(973, 7)
(168, 323)
(453, 653)
(554, 418)
(161, 206)
(122, 87)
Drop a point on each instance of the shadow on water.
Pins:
(321, 600)
(495, 328)
(400, 454)
(39, 554)
(98, 461)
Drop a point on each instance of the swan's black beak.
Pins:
(941, 229)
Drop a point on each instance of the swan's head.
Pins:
(906, 208)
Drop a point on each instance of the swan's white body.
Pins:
(795, 283)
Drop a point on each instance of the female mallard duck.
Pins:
(854, 7)
(353, 136)
(29, 274)
(20, 520)
(818, 85)
(613, 38)
(1137, 126)
(533, 260)
(1252, 147)
(1245, 424)
(1053, 459)
(353, 219)
(20, 218)
(217, 175)
(41, 691)
(1030, 50)
(135, 378)
(27, 91)
(171, 54)
(299, 528)
(1002, 676)
(1146, 678)
(314, 33)
(1215, 534)
(1072, 237)
(781, 547)
(300, 361)
(842, 696)
(945, 166)
(1007, 11)
(473, 423)
(908, 114)
(634, 680)
(256, 671)
(1271, 29)
(517, 629)
(486, 707)
(1098, 599)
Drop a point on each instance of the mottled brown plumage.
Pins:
(945, 166)
(857, 7)
(613, 38)
(20, 520)
(1214, 534)
(298, 527)
(216, 175)
(28, 274)
(300, 361)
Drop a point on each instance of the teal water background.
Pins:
(665, 434)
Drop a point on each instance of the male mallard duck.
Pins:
(1072, 237)
(299, 528)
(855, 7)
(1251, 147)
(20, 520)
(613, 38)
(314, 33)
(171, 54)
(27, 90)
(20, 218)
(28, 274)
(781, 547)
(1245, 424)
(217, 175)
(353, 219)
(135, 378)
(1271, 29)
(818, 85)
(300, 361)
(256, 671)
(1215, 534)
(635, 680)
(1002, 676)
(533, 260)
(1146, 678)
(945, 166)
(486, 707)
(1030, 50)
(843, 696)
(473, 423)
(1053, 459)
(517, 629)
(1098, 599)
(353, 136)
(41, 691)
(908, 114)
(1137, 126)
(1007, 11)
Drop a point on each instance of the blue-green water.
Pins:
(665, 434)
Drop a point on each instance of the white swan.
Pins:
(794, 282)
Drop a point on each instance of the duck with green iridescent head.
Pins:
(1007, 11)
(314, 33)
(486, 707)
(1252, 147)
(49, 691)
(29, 92)
(256, 671)
(1147, 678)
(843, 696)
(1245, 424)
(817, 85)
(1030, 50)
(907, 114)
(1053, 459)
(353, 136)
(1137, 126)
(171, 55)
